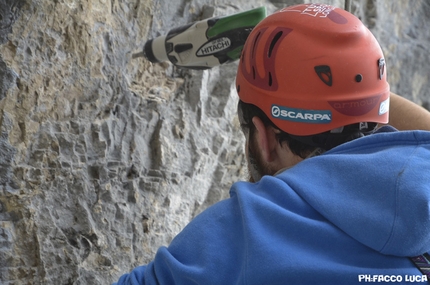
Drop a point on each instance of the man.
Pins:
(333, 198)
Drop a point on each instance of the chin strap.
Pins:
(422, 262)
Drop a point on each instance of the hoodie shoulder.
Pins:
(376, 189)
(410, 235)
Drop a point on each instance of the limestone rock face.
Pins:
(104, 158)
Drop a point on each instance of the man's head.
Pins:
(317, 76)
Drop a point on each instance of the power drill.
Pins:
(204, 44)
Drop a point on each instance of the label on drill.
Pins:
(214, 46)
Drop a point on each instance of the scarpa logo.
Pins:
(300, 115)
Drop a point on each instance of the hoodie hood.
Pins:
(376, 189)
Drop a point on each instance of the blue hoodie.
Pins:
(351, 215)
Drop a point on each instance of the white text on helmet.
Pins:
(320, 10)
(303, 116)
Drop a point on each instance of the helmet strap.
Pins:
(335, 137)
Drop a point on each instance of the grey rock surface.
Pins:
(103, 158)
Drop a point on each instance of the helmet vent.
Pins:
(358, 78)
(255, 43)
(259, 57)
(273, 43)
(324, 73)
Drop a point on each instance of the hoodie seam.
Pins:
(399, 177)
(374, 141)
(245, 233)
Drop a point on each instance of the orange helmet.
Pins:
(312, 68)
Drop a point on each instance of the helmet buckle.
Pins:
(381, 65)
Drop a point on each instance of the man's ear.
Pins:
(266, 139)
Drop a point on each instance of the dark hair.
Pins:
(304, 145)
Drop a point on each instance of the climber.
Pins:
(340, 184)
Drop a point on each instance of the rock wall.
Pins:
(104, 158)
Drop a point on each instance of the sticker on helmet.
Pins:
(384, 107)
(355, 107)
(318, 10)
(300, 115)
